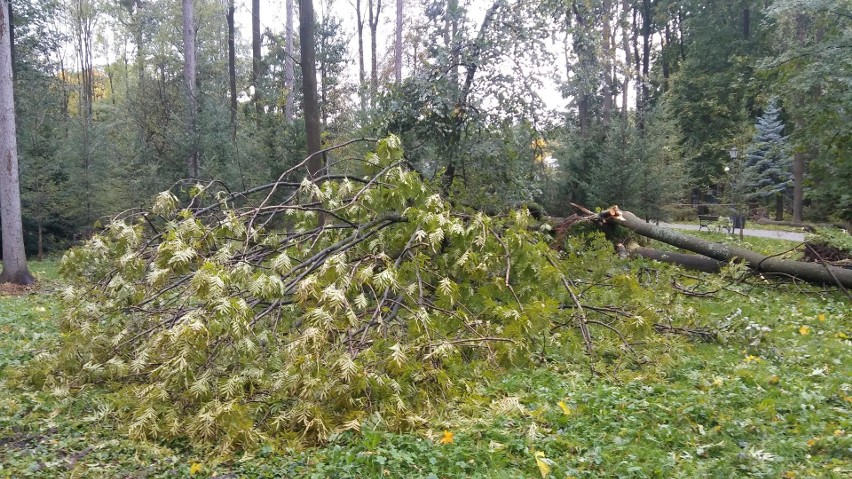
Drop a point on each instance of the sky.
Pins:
(272, 16)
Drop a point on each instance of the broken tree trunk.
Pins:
(810, 272)
(690, 261)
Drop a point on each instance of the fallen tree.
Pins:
(719, 252)
(230, 319)
(233, 318)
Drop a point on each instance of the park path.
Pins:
(773, 234)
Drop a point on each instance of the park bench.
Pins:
(712, 221)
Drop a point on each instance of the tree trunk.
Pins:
(646, 60)
(452, 24)
(255, 54)
(637, 59)
(667, 41)
(799, 122)
(462, 103)
(232, 68)
(309, 85)
(397, 48)
(362, 75)
(40, 240)
(810, 272)
(625, 45)
(289, 72)
(586, 63)
(779, 207)
(690, 261)
(606, 53)
(189, 69)
(15, 268)
(374, 65)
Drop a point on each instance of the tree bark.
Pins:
(374, 65)
(647, 7)
(15, 268)
(397, 48)
(289, 71)
(232, 68)
(799, 122)
(189, 69)
(309, 85)
(810, 272)
(607, 54)
(625, 45)
(690, 261)
(362, 75)
(255, 54)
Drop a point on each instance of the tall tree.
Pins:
(189, 78)
(307, 45)
(767, 168)
(83, 17)
(362, 75)
(15, 268)
(232, 67)
(374, 10)
(289, 72)
(332, 58)
(397, 47)
(255, 52)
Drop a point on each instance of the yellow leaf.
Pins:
(447, 438)
(821, 317)
(195, 468)
(541, 462)
(805, 330)
(564, 407)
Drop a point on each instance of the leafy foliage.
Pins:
(235, 325)
(770, 401)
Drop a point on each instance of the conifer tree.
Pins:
(767, 168)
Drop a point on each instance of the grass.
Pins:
(772, 399)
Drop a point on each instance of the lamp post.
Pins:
(733, 152)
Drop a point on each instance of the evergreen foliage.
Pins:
(767, 168)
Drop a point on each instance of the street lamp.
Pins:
(739, 220)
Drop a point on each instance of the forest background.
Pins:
(655, 94)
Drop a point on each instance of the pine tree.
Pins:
(767, 168)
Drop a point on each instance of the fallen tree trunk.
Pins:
(690, 261)
(810, 272)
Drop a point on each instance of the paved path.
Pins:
(782, 235)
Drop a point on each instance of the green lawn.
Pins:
(771, 399)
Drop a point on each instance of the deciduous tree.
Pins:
(15, 268)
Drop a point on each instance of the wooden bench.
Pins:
(708, 221)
